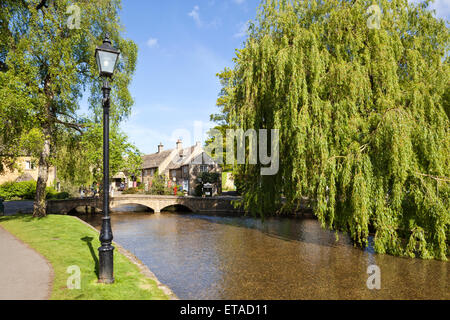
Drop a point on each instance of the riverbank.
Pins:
(66, 241)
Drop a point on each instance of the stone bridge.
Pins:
(155, 203)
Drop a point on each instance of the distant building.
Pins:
(26, 170)
(182, 166)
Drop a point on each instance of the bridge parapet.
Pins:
(156, 203)
(195, 204)
(65, 206)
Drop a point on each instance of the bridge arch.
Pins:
(84, 209)
(177, 208)
(65, 207)
(131, 206)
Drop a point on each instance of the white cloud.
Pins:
(243, 28)
(195, 14)
(152, 42)
(442, 7)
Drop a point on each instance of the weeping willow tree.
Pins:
(362, 114)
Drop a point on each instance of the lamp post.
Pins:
(107, 58)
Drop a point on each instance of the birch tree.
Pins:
(48, 52)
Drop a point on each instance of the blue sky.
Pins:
(183, 44)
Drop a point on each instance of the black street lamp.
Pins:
(107, 58)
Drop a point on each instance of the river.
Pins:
(210, 257)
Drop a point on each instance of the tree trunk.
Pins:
(40, 205)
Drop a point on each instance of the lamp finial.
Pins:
(107, 38)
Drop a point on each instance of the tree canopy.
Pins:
(363, 115)
(47, 64)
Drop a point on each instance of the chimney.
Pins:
(198, 144)
(179, 145)
(160, 147)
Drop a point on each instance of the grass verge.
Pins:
(65, 241)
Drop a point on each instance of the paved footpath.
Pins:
(13, 207)
(24, 274)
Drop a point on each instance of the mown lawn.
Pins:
(65, 241)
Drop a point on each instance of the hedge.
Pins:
(27, 191)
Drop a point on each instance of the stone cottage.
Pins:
(26, 169)
(182, 166)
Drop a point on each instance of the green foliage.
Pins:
(46, 67)
(222, 119)
(18, 190)
(198, 191)
(131, 191)
(80, 158)
(362, 114)
(206, 177)
(27, 191)
(54, 195)
(158, 186)
(210, 177)
(224, 181)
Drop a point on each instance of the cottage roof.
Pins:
(183, 158)
(154, 160)
(178, 158)
(25, 177)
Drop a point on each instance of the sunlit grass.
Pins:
(65, 241)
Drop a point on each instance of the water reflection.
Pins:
(207, 257)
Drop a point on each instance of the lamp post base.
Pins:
(105, 261)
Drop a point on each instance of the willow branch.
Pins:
(445, 179)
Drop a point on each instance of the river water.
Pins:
(210, 257)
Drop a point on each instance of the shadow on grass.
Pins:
(88, 241)
(21, 216)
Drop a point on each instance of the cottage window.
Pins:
(203, 168)
(29, 165)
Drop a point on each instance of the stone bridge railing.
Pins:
(156, 203)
